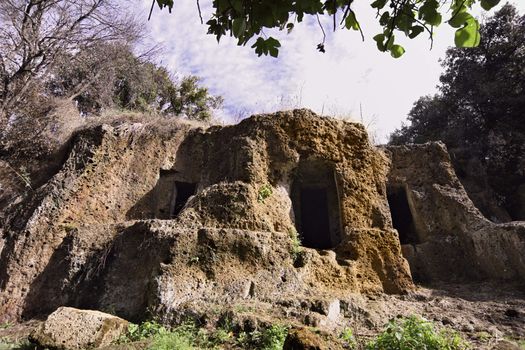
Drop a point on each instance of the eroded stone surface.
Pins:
(449, 238)
(96, 234)
(68, 328)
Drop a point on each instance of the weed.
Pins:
(243, 309)
(23, 345)
(265, 191)
(6, 325)
(271, 338)
(296, 249)
(416, 333)
(483, 336)
(220, 336)
(190, 337)
(22, 174)
(349, 341)
(143, 331)
(243, 340)
(171, 341)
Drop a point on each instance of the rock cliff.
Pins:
(444, 236)
(171, 220)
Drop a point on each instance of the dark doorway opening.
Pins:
(315, 222)
(183, 192)
(402, 219)
(315, 202)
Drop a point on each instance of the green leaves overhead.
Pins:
(351, 22)
(379, 4)
(468, 33)
(247, 20)
(468, 36)
(489, 4)
(429, 13)
(397, 51)
(268, 46)
(460, 19)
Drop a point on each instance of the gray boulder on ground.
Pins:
(70, 328)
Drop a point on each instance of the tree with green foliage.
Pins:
(247, 19)
(481, 106)
(112, 76)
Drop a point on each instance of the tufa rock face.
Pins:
(164, 218)
(69, 329)
(444, 236)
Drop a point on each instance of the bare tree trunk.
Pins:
(33, 33)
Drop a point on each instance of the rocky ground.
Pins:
(488, 315)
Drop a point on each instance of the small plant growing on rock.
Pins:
(349, 341)
(271, 338)
(297, 248)
(416, 333)
(145, 330)
(6, 325)
(171, 341)
(265, 191)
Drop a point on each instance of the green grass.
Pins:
(188, 337)
(172, 341)
(416, 333)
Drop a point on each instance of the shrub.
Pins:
(349, 341)
(265, 191)
(296, 249)
(189, 337)
(416, 333)
(172, 341)
(143, 331)
(271, 338)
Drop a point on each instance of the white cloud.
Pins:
(349, 75)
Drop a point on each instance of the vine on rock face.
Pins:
(246, 19)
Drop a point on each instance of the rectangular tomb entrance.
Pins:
(402, 219)
(316, 206)
(182, 192)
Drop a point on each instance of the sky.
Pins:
(351, 80)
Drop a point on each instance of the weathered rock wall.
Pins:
(108, 170)
(451, 239)
(93, 236)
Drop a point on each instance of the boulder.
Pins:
(70, 328)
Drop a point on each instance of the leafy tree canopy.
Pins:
(481, 90)
(247, 19)
(480, 106)
(112, 76)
